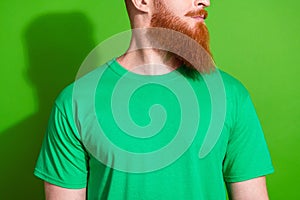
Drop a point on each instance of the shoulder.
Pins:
(82, 87)
(233, 86)
(233, 90)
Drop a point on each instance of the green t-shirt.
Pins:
(130, 136)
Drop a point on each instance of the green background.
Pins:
(44, 42)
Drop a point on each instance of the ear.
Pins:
(141, 5)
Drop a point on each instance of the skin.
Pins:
(248, 190)
(140, 13)
(53, 192)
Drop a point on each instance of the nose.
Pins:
(202, 3)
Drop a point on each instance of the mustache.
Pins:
(196, 13)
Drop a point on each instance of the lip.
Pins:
(198, 18)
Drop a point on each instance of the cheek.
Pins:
(178, 7)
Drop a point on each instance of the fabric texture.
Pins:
(75, 154)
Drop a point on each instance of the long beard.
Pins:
(190, 45)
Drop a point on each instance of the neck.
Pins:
(141, 59)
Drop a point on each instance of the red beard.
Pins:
(193, 50)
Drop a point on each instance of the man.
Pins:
(155, 156)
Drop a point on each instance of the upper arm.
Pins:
(63, 160)
(247, 155)
(247, 160)
(247, 190)
(53, 192)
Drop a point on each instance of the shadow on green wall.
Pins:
(56, 45)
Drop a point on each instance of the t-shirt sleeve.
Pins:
(247, 154)
(62, 160)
